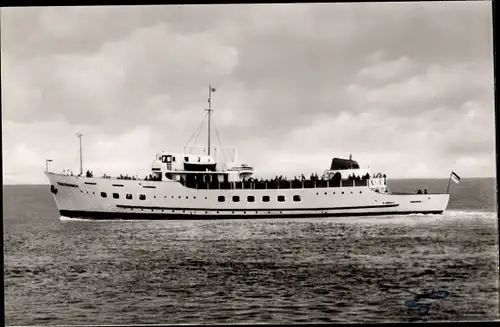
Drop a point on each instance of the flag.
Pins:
(455, 177)
(49, 160)
(212, 89)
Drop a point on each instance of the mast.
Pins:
(210, 90)
(81, 160)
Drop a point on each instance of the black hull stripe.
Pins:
(95, 215)
(255, 209)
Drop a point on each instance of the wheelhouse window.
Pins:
(116, 196)
(236, 198)
(104, 195)
(142, 197)
(281, 198)
(265, 198)
(221, 198)
(296, 198)
(128, 196)
(251, 198)
(186, 159)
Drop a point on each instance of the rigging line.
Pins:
(218, 138)
(199, 132)
(200, 125)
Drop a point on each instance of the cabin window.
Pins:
(128, 196)
(265, 198)
(142, 197)
(221, 198)
(186, 159)
(296, 198)
(116, 196)
(250, 198)
(104, 195)
(281, 198)
(173, 159)
(236, 198)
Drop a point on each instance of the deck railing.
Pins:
(273, 185)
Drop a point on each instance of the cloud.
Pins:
(401, 85)
(432, 86)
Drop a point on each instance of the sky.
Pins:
(405, 87)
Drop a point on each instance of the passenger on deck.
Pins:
(419, 191)
(425, 191)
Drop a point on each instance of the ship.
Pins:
(202, 182)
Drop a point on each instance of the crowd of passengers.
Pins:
(277, 179)
(297, 181)
(147, 178)
(315, 177)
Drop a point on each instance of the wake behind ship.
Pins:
(203, 183)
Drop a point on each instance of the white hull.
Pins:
(81, 197)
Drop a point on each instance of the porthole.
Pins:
(236, 198)
(250, 198)
(281, 198)
(342, 192)
(142, 197)
(360, 192)
(221, 198)
(296, 198)
(265, 198)
(326, 193)
(116, 196)
(128, 196)
(104, 195)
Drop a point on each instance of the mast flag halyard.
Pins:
(453, 177)
(81, 160)
(210, 90)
